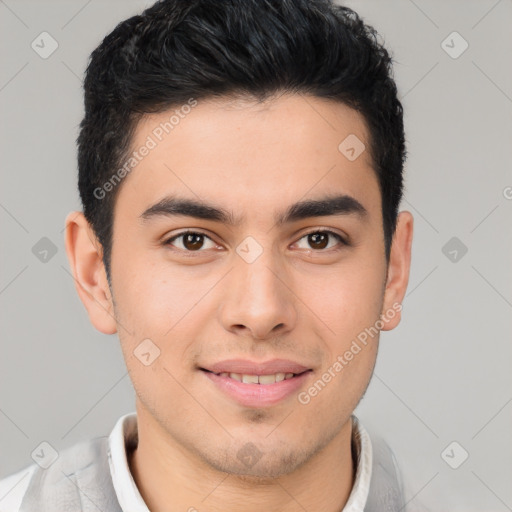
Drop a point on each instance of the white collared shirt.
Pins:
(123, 437)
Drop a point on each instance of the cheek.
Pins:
(150, 297)
(347, 300)
(354, 313)
(161, 305)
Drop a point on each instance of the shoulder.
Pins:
(13, 487)
(36, 487)
(380, 476)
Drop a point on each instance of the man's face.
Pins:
(233, 296)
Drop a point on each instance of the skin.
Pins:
(296, 301)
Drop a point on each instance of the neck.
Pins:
(170, 478)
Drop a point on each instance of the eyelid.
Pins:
(342, 242)
(344, 239)
(193, 231)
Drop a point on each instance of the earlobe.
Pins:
(85, 259)
(398, 271)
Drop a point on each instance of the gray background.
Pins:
(443, 375)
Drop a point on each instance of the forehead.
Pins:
(252, 157)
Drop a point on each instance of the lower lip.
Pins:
(258, 395)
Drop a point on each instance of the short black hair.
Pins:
(203, 49)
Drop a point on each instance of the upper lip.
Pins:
(246, 367)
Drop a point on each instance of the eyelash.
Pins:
(338, 237)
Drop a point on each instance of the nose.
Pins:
(259, 302)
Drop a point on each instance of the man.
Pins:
(240, 169)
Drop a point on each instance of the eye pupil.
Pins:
(193, 241)
(319, 240)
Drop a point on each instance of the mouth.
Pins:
(264, 380)
(257, 385)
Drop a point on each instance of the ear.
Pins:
(398, 271)
(85, 259)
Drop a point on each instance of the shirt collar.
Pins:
(364, 456)
(124, 438)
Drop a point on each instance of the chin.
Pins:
(252, 465)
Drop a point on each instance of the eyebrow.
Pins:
(328, 206)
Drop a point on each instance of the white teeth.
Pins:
(250, 379)
(267, 379)
(257, 379)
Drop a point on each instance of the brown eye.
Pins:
(191, 241)
(319, 240)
